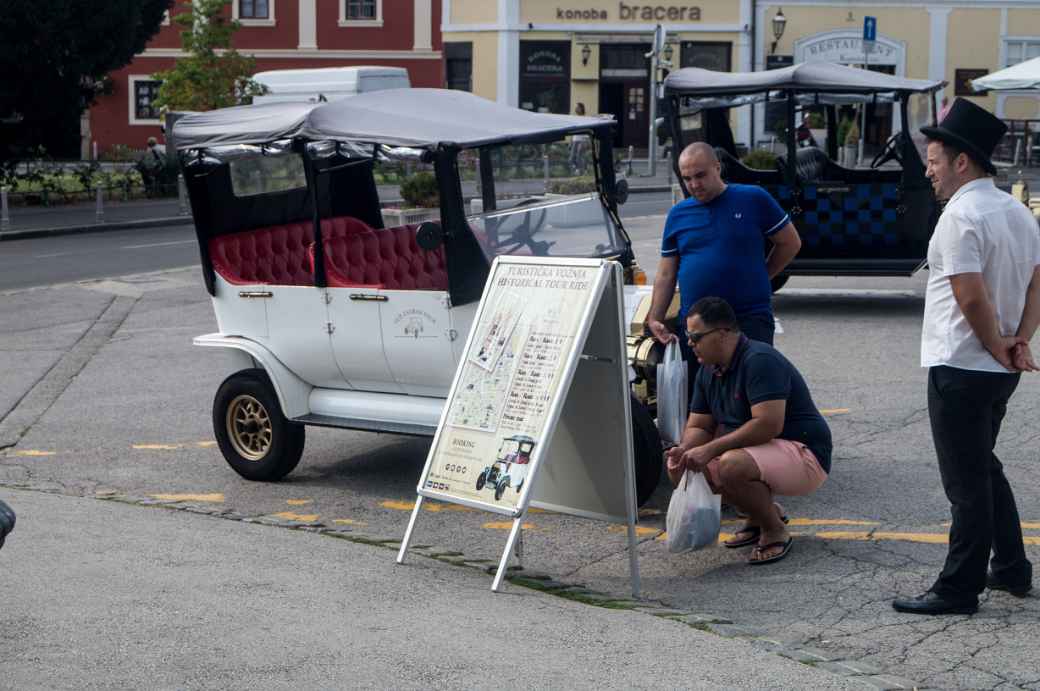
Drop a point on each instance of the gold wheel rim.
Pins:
(249, 427)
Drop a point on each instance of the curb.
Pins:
(30, 233)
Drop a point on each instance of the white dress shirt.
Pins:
(982, 230)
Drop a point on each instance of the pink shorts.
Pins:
(787, 467)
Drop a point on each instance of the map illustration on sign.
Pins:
(508, 380)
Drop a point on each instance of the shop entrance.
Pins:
(624, 91)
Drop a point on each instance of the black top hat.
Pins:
(971, 128)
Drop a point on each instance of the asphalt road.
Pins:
(101, 392)
(66, 258)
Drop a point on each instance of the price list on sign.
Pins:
(529, 396)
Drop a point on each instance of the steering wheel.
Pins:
(530, 224)
(890, 151)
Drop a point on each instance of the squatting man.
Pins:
(753, 429)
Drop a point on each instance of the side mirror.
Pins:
(429, 235)
(621, 191)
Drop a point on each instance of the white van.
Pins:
(328, 83)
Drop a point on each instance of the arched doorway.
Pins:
(845, 47)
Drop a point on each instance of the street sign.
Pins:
(870, 28)
(869, 34)
(538, 411)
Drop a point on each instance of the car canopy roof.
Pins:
(813, 76)
(421, 118)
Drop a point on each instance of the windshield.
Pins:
(920, 112)
(549, 226)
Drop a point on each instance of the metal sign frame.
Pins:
(605, 308)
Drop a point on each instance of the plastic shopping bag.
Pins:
(672, 400)
(694, 514)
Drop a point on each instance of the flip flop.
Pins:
(776, 557)
(753, 532)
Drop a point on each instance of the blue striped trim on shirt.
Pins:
(783, 222)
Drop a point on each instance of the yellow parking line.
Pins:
(301, 517)
(215, 498)
(834, 411)
(157, 447)
(641, 530)
(35, 453)
(205, 444)
(829, 521)
(298, 502)
(348, 521)
(809, 521)
(507, 525)
(1030, 525)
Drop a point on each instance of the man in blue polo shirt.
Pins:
(753, 429)
(714, 244)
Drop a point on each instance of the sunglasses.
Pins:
(693, 337)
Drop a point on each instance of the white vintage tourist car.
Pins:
(345, 313)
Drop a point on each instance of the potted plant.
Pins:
(421, 201)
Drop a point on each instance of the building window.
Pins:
(545, 76)
(253, 9)
(1021, 50)
(361, 13)
(253, 12)
(458, 66)
(708, 55)
(143, 92)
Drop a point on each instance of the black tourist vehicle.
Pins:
(856, 220)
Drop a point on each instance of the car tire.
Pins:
(646, 445)
(257, 440)
(779, 281)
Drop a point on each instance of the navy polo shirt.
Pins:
(760, 373)
(721, 248)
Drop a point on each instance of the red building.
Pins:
(279, 34)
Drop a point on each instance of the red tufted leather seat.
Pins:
(357, 255)
(277, 255)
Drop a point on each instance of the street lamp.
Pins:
(585, 53)
(779, 24)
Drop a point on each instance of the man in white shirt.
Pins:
(982, 307)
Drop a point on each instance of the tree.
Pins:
(54, 56)
(213, 75)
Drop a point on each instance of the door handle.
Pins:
(368, 297)
(248, 294)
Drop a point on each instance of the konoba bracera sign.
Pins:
(633, 13)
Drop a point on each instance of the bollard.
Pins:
(5, 216)
(545, 170)
(182, 194)
(631, 155)
(476, 169)
(99, 208)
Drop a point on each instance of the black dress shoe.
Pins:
(932, 603)
(1018, 590)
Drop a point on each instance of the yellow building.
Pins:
(551, 55)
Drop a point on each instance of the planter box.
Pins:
(394, 218)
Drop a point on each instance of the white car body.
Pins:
(368, 359)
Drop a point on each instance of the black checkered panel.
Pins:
(835, 220)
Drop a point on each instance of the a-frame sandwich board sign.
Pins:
(539, 410)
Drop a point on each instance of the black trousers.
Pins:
(966, 408)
